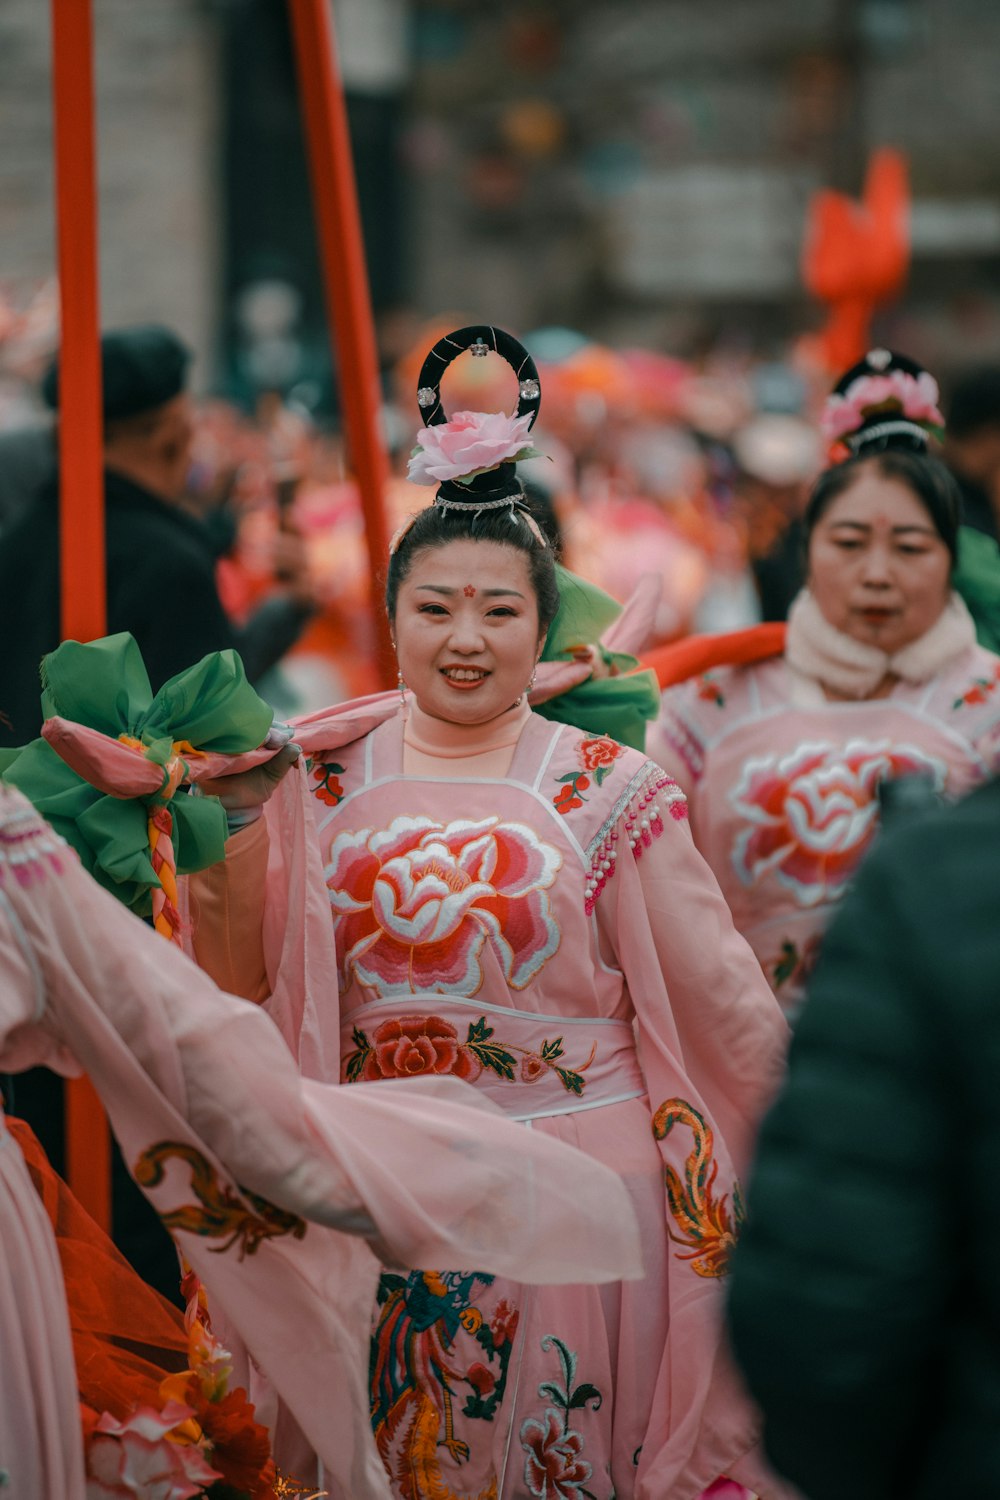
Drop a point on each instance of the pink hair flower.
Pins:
(898, 394)
(470, 443)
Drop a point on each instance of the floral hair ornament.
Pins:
(471, 455)
(886, 400)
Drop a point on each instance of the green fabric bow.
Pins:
(104, 686)
(977, 579)
(618, 706)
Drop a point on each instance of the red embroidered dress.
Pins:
(523, 933)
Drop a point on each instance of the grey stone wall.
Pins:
(157, 153)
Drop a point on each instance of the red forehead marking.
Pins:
(469, 591)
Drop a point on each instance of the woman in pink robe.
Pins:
(236, 1152)
(881, 678)
(519, 904)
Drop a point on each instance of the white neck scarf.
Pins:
(817, 651)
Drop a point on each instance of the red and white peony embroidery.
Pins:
(812, 813)
(416, 905)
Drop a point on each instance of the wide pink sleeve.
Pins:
(711, 1043)
(225, 909)
(235, 1150)
(259, 924)
(701, 999)
(28, 850)
(676, 741)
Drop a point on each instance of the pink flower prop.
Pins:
(137, 1458)
(812, 814)
(897, 394)
(422, 906)
(470, 443)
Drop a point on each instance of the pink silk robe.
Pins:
(194, 1079)
(783, 798)
(521, 933)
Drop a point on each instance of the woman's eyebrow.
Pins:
(896, 530)
(440, 588)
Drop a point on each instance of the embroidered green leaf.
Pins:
(585, 1393)
(356, 1061)
(600, 773)
(553, 1049)
(574, 1082)
(552, 1392)
(493, 1055)
(787, 963)
(570, 776)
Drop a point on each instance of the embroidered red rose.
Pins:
(481, 1379)
(553, 1468)
(599, 752)
(503, 1324)
(980, 691)
(420, 905)
(411, 1045)
(532, 1067)
(809, 816)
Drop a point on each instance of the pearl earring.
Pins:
(401, 685)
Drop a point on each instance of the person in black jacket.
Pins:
(161, 587)
(865, 1302)
(160, 558)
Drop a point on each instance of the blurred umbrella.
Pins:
(658, 381)
(552, 345)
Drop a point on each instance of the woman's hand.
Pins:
(244, 793)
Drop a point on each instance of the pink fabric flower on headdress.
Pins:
(470, 443)
(897, 394)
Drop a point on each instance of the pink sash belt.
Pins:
(531, 1065)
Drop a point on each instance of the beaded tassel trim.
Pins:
(680, 738)
(637, 816)
(27, 844)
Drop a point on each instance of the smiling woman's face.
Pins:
(878, 568)
(466, 628)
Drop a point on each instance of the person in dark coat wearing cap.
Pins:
(161, 587)
(160, 558)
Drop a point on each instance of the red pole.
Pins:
(81, 489)
(345, 278)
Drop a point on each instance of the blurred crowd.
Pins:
(692, 470)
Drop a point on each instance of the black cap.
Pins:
(141, 368)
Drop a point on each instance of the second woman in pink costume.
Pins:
(881, 679)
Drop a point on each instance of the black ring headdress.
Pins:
(501, 485)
